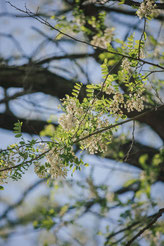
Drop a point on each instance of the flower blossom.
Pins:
(109, 90)
(104, 39)
(135, 103)
(3, 176)
(146, 9)
(96, 143)
(73, 112)
(126, 64)
(57, 167)
(95, 1)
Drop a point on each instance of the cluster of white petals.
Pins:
(41, 173)
(110, 196)
(142, 55)
(80, 19)
(109, 90)
(69, 120)
(54, 166)
(126, 64)
(38, 168)
(117, 102)
(3, 176)
(115, 106)
(135, 103)
(118, 97)
(8, 162)
(103, 40)
(96, 143)
(57, 167)
(95, 1)
(146, 9)
(93, 144)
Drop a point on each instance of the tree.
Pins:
(129, 94)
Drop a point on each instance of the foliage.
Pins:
(90, 123)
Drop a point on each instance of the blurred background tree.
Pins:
(120, 192)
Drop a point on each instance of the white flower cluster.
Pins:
(69, 120)
(126, 64)
(8, 162)
(39, 169)
(95, 1)
(75, 116)
(141, 55)
(117, 103)
(104, 40)
(110, 196)
(158, 49)
(96, 143)
(146, 9)
(135, 102)
(3, 176)
(109, 90)
(80, 19)
(57, 167)
(118, 100)
(41, 172)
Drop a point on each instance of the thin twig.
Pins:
(89, 135)
(140, 41)
(45, 22)
(131, 146)
(121, 123)
(158, 215)
(20, 201)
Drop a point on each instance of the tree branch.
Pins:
(83, 138)
(157, 216)
(45, 22)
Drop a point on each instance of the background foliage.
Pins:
(101, 169)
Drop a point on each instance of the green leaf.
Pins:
(142, 160)
(59, 36)
(130, 182)
(18, 135)
(74, 169)
(52, 17)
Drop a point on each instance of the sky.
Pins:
(27, 37)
